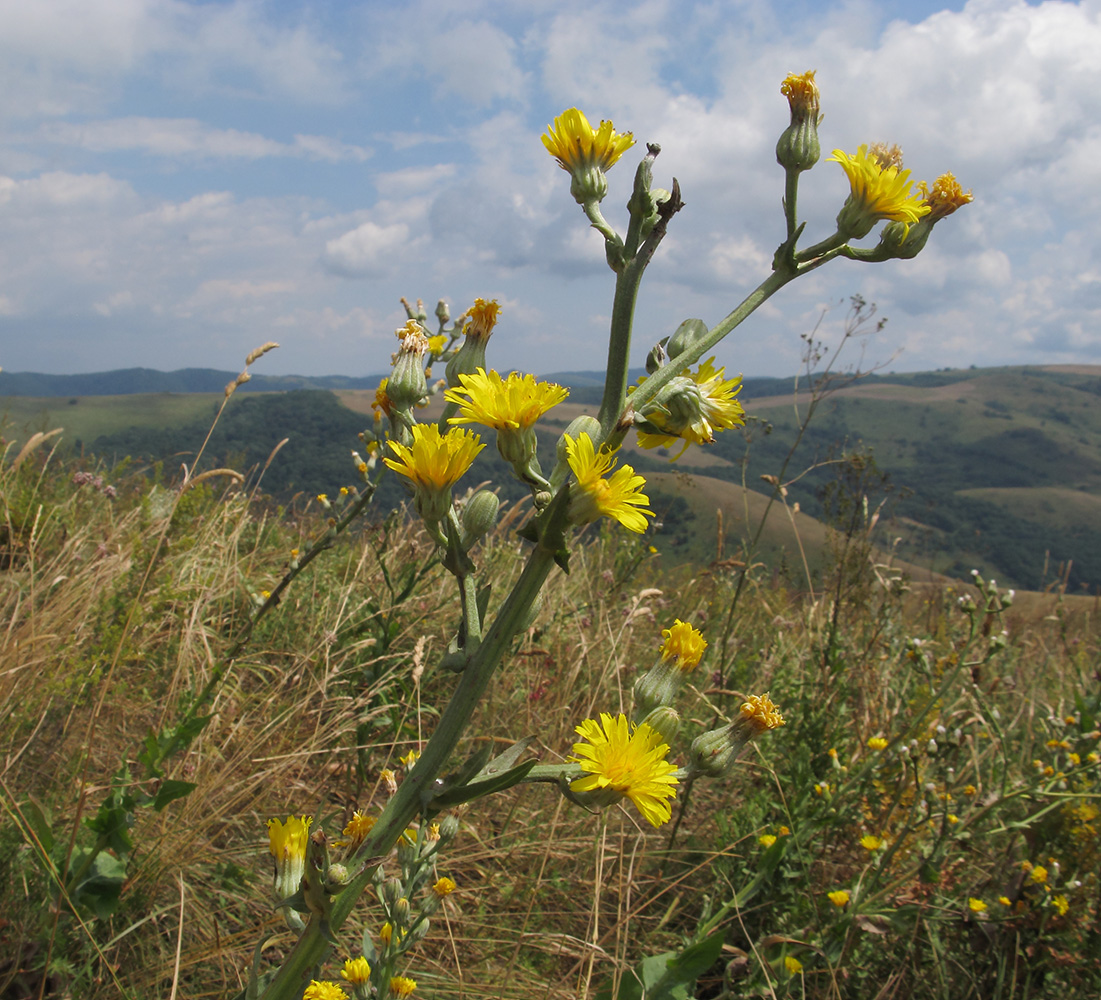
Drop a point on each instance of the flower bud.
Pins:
(658, 686)
(443, 312)
(479, 516)
(402, 913)
(666, 721)
(798, 147)
(689, 333)
(584, 424)
(715, 753)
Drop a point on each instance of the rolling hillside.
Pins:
(997, 469)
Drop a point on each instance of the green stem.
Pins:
(619, 344)
(827, 246)
(765, 290)
(411, 795)
(791, 197)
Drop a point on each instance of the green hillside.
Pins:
(994, 469)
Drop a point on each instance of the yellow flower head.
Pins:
(381, 403)
(586, 153)
(802, 93)
(683, 643)
(767, 839)
(760, 713)
(357, 971)
(793, 965)
(444, 887)
(481, 319)
(434, 463)
(1039, 874)
(870, 843)
(631, 764)
(693, 406)
(358, 827)
(880, 190)
(513, 403)
(945, 197)
(877, 743)
(318, 990)
(1061, 903)
(402, 986)
(976, 905)
(437, 343)
(594, 497)
(839, 898)
(288, 840)
(409, 759)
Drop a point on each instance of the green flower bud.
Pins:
(479, 516)
(443, 312)
(690, 332)
(666, 721)
(578, 426)
(657, 687)
(407, 387)
(449, 826)
(392, 891)
(402, 913)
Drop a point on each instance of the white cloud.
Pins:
(368, 249)
(177, 138)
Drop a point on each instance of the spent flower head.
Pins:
(592, 496)
(715, 753)
(798, 147)
(433, 464)
(880, 189)
(625, 763)
(585, 153)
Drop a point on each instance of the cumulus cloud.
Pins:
(189, 138)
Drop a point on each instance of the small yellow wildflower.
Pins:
(970, 790)
(358, 827)
(630, 763)
(294, 553)
(402, 986)
(692, 407)
(1061, 903)
(1004, 900)
(976, 905)
(323, 498)
(880, 189)
(512, 403)
(766, 840)
(433, 464)
(784, 831)
(952, 818)
(793, 965)
(877, 743)
(409, 759)
(619, 497)
(357, 971)
(318, 990)
(287, 843)
(683, 643)
(1039, 874)
(832, 753)
(870, 842)
(802, 92)
(443, 887)
(585, 153)
(821, 788)
(839, 897)
(381, 403)
(437, 343)
(1074, 759)
(1093, 758)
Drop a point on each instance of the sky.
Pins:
(181, 182)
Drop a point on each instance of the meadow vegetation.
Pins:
(115, 608)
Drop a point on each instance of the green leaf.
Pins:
(170, 791)
(100, 888)
(477, 789)
(38, 820)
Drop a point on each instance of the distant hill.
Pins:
(997, 469)
(129, 381)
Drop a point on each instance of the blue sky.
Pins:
(180, 182)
